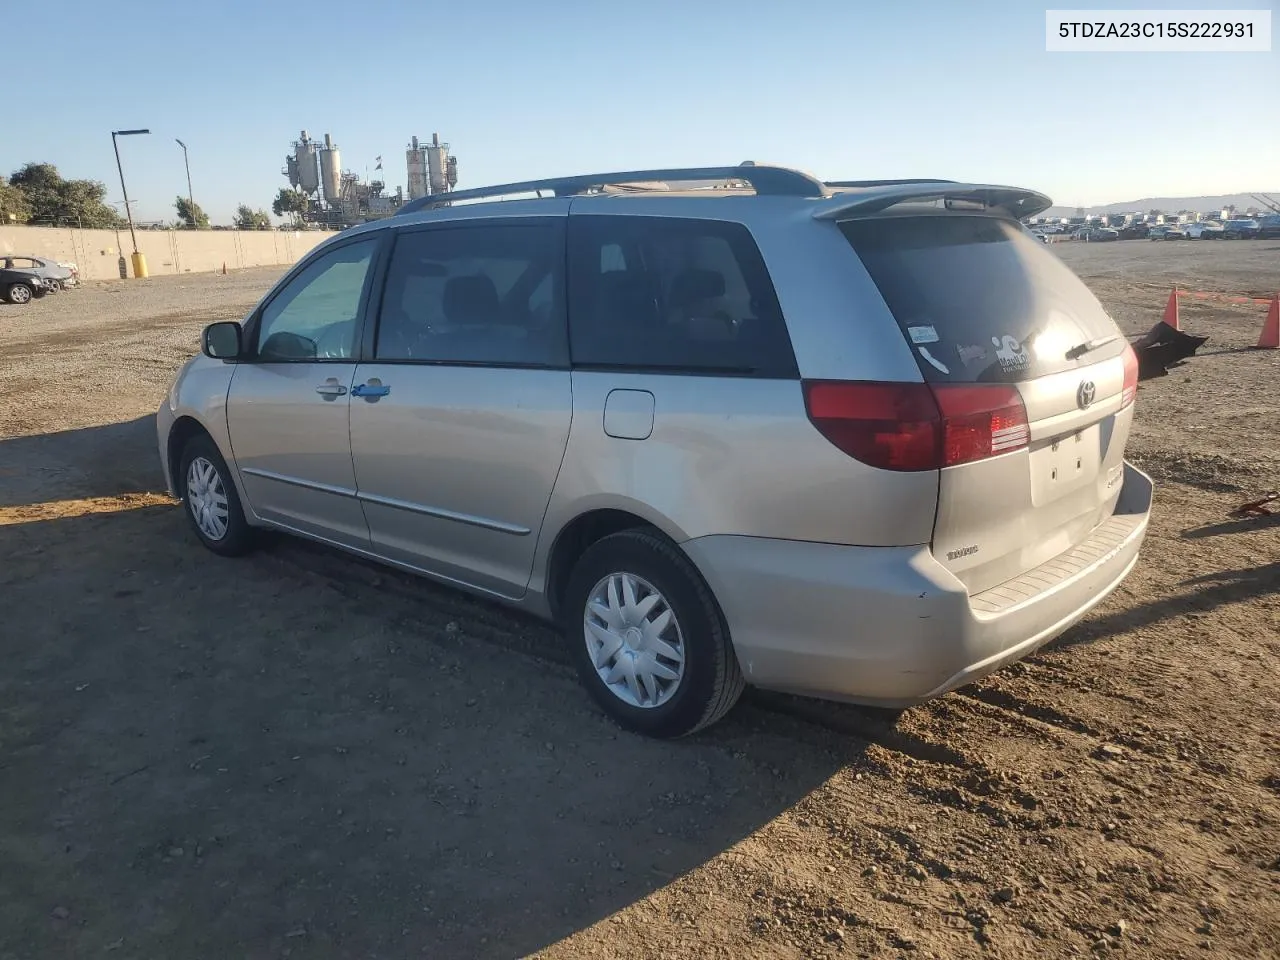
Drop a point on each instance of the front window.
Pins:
(315, 316)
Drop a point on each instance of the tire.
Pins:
(708, 680)
(201, 463)
(19, 293)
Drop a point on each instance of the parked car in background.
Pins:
(59, 277)
(74, 279)
(20, 285)
(1241, 229)
(1135, 231)
(1101, 235)
(647, 419)
(1203, 230)
(1269, 226)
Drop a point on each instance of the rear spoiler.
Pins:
(1013, 201)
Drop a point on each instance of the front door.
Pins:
(460, 418)
(288, 407)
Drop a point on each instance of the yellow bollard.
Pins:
(139, 265)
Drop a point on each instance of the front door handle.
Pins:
(372, 390)
(331, 388)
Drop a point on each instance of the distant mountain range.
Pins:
(1242, 202)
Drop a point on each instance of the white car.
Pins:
(1203, 230)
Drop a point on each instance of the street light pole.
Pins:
(127, 209)
(191, 200)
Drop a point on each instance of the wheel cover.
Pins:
(20, 294)
(207, 498)
(634, 640)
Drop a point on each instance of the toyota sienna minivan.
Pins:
(725, 426)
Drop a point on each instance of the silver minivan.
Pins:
(726, 426)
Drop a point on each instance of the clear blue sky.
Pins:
(845, 89)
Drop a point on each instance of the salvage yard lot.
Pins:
(300, 754)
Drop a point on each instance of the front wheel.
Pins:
(648, 637)
(213, 506)
(19, 293)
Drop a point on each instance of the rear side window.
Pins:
(979, 299)
(663, 294)
(491, 292)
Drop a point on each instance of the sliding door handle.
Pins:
(331, 388)
(371, 390)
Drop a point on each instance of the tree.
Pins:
(248, 219)
(291, 202)
(198, 220)
(51, 199)
(13, 203)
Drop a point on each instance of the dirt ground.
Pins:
(300, 754)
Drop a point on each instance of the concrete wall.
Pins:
(97, 252)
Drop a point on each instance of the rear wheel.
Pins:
(648, 638)
(213, 507)
(19, 293)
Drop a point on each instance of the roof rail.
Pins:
(882, 183)
(766, 180)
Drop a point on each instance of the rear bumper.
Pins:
(890, 626)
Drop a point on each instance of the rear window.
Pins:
(978, 298)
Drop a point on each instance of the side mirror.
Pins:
(222, 340)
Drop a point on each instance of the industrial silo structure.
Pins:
(304, 166)
(331, 170)
(415, 156)
(437, 165)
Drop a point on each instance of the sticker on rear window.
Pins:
(1011, 354)
(971, 353)
(937, 365)
(922, 334)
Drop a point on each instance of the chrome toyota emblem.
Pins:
(1085, 393)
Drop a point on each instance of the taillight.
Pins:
(1130, 377)
(893, 426)
(980, 421)
(916, 426)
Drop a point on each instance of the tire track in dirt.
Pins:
(1042, 714)
(73, 341)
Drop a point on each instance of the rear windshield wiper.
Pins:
(1080, 349)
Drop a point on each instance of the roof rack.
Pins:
(766, 180)
(882, 183)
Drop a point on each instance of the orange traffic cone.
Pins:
(1171, 311)
(1270, 339)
